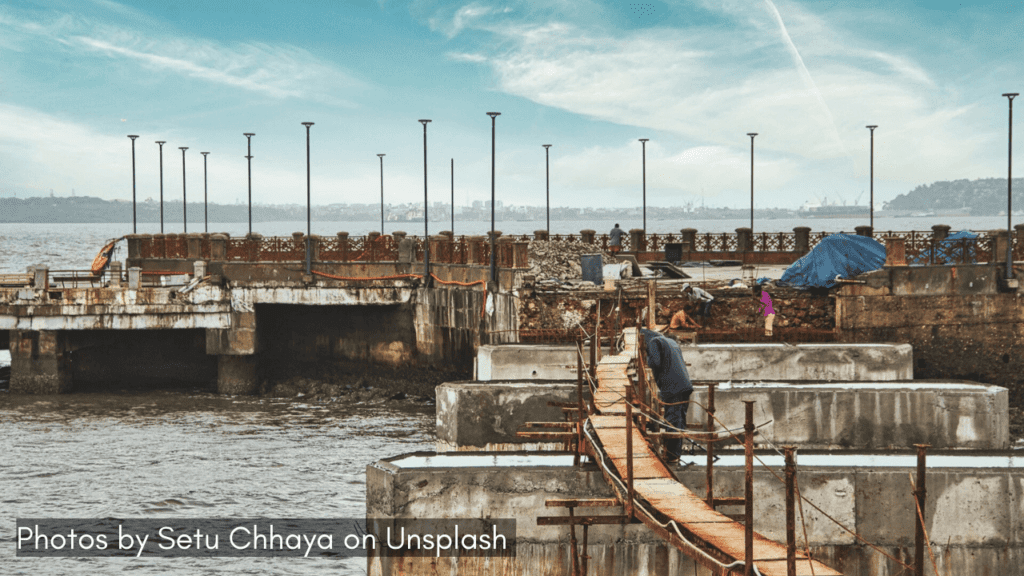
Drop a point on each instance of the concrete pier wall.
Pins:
(849, 416)
(389, 322)
(973, 514)
(764, 361)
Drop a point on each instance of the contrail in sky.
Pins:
(806, 76)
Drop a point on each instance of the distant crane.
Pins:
(859, 196)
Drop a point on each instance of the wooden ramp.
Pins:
(699, 531)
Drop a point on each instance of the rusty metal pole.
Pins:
(579, 403)
(711, 445)
(651, 304)
(572, 541)
(597, 329)
(629, 452)
(593, 357)
(920, 492)
(584, 557)
(790, 510)
(748, 500)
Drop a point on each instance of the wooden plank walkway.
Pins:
(653, 482)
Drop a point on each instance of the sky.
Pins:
(588, 77)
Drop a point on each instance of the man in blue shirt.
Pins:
(674, 387)
(615, 239)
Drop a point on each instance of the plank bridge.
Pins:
(614, 430)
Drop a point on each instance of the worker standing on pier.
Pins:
(615, 239)
(766, 307)
(674, 387)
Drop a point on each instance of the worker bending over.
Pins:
(674, 387)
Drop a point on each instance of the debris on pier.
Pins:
(560, 259)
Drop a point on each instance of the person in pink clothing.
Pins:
(766, 307)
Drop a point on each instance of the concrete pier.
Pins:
(972, 511)
(847, 416)
(719, 362)
(396, 322)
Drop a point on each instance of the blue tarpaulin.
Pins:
(843, 255)
(957, 248)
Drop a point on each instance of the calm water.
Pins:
(179, 454)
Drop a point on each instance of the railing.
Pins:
(921, 247)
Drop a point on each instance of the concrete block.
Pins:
(473, 416)
(867, 415)
(852, 416)
(525, 362)
(237, 375)
(719, 362)
(970, 513)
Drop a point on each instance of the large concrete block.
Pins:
(851, 416)
(473, 416)
(971, 511)
(867, 415)
(526, 362)
(719, 362)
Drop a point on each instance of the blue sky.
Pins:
(587, 76)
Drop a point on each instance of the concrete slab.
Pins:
(761, 361)
(866, 415)
(971, 511)
(850, 416)
(485, 416)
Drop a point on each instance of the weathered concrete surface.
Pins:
(237, 375)
(838, 362)
(40, 362)
(474, 416)
(526, 362)
(954, 316)
(116, 309)
(849, 416)
(867, 415)
(972, 514)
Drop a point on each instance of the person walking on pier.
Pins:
(765, 307)
(702, 298)
(615, 239)
(674, 386)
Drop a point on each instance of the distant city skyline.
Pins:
(589, 77)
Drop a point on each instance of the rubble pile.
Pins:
(560, 260)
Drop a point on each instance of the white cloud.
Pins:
(805, 84)
(275, 70)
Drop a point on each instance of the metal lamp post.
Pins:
(161, 143)
(494, 269)
(872, 220)
(206, 203)
(547, 184)
(426, 211)
(1009, 192)
(643, 144)
(751, 134)
(453, 196)
(309, 211)
(135, 226)
(184, 197)
(248, 157)
(381, 156)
